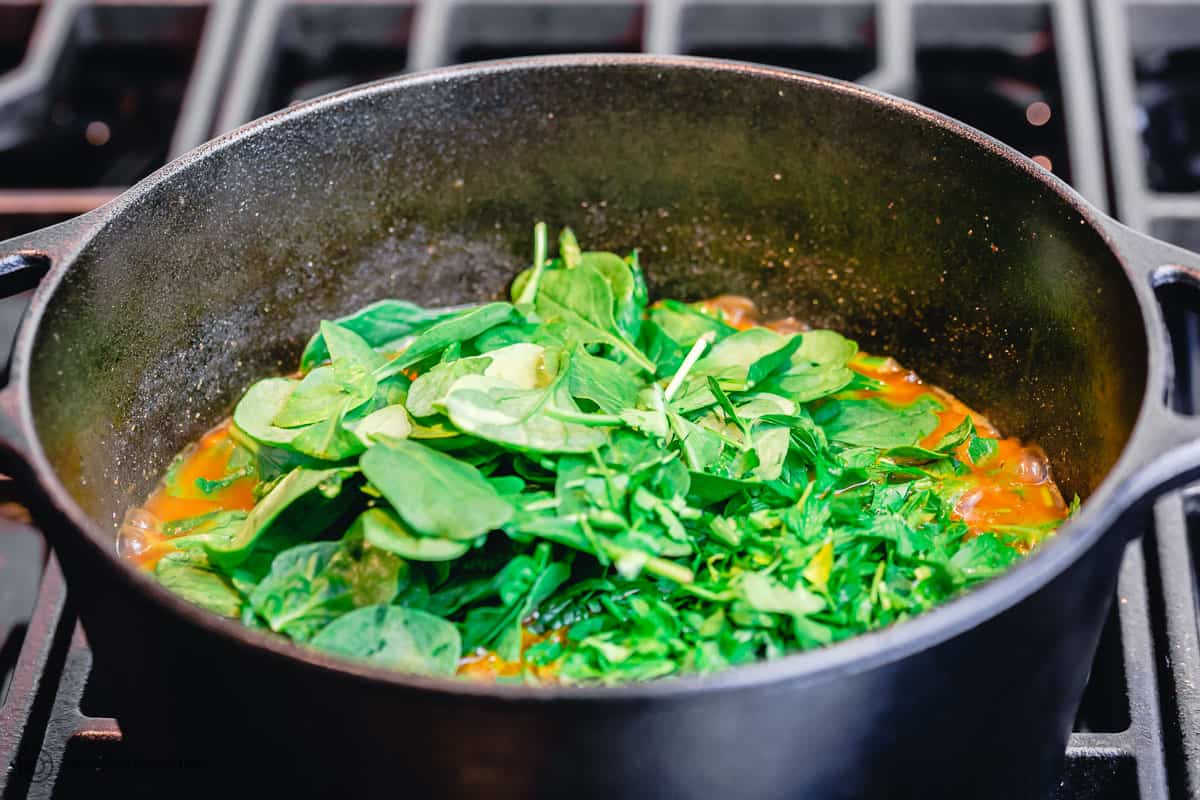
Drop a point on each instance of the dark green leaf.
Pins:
(385, 530)
(428, 393)
(982, 449)
(582, 300)
(383, 325)
(772, 362)
(544, 420)
(684, 324)
(611, 387)
(435, 494)
(189, 575)
(957, 436)
(312, 584)
(395, 637)
(315, 487)
(876, 423)
(462, 326)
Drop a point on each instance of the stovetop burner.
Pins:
(97, 94)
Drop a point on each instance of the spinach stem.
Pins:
(655, 565)
(582, 417)
(689, 361)
(529, 293)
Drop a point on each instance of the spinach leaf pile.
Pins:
(585, 486)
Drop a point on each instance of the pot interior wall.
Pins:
(815, 201)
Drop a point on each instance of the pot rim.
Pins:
(858, 653)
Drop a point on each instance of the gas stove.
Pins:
(95, 95)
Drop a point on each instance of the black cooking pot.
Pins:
(918, 236)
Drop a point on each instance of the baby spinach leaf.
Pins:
(610, 386)
(332, 439)
(582, 300)
(708, 489)
(383, 325)
(351, 357)
(503, 336)
(803, 384)
(817, 368)
(665, 352)
(428, 393)
(761, 404)
(384, 529)
(310, 585)
(544, 420)
(260, 405)
(944, 448)
(953, 439)
(316, 487)
(521, 364)
(627, 306)
(822, 347)
(314, 399)
(684, 324)
(194, 532)
(462, 326)
(188, 574)
(772, 362)
(328, 395)
(730, 359)
(873, 422)
(435, 494)
(390, 636)
(771, 444)
(389, 422)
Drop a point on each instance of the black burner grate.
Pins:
(1022, 70)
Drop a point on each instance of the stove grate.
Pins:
(1023, 70)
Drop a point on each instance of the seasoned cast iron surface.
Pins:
(813, 200)
(806, 198)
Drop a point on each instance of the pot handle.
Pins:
(24, 261)
(1165, 445)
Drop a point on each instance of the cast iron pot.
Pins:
(917, 235)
